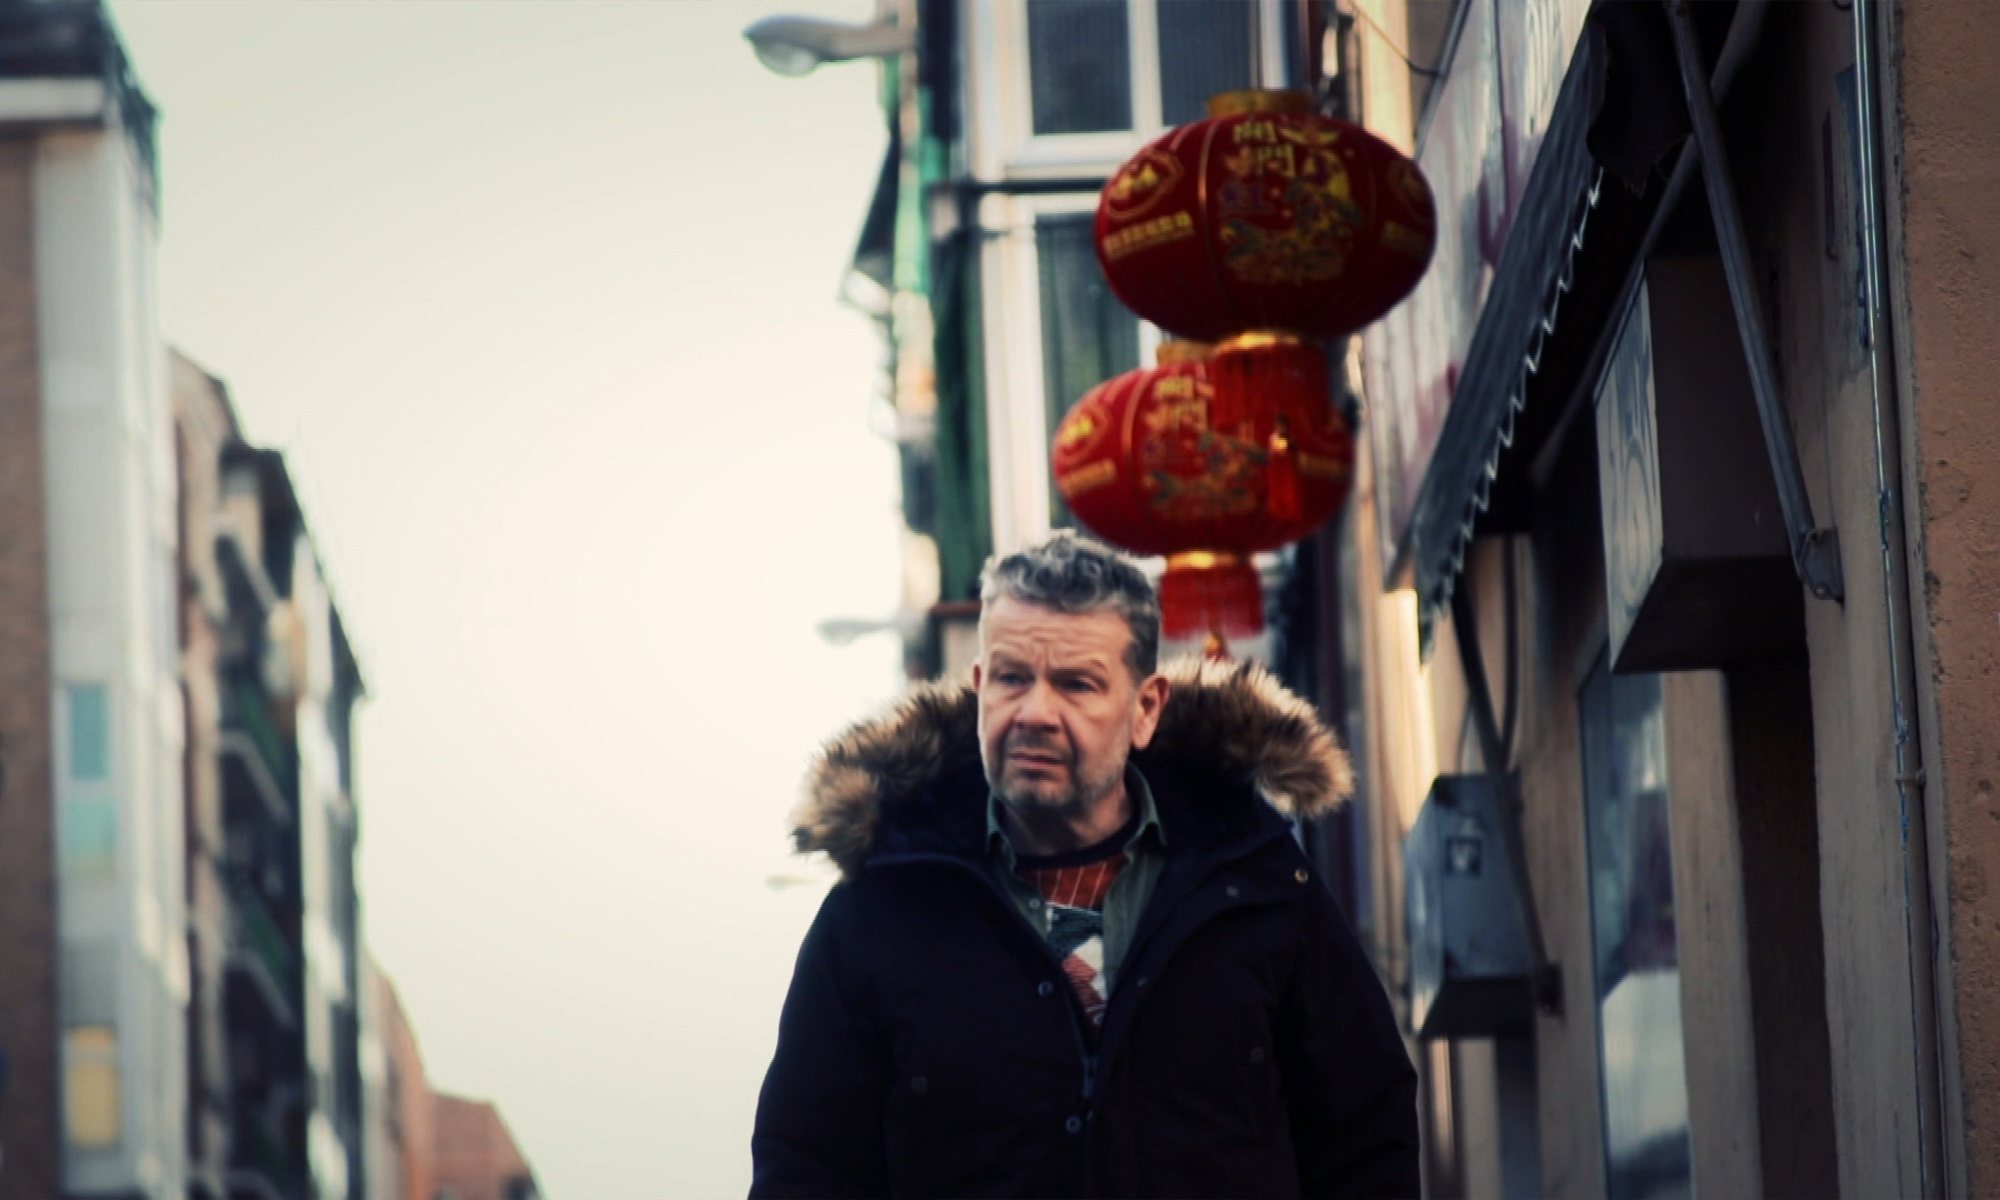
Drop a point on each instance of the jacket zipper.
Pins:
(1085, 1052)
(1149, 931)
(1083, 1048)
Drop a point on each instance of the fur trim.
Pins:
(1235, 718)
(1239, 718)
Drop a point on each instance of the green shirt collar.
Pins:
(1135, 787)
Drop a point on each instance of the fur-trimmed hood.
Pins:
(1227, 720)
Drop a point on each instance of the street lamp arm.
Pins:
(795, 45)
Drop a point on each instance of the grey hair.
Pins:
(1070, 573)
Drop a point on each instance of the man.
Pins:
(1075, 950)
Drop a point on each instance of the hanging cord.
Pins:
(1545, 982)
(1361, 15)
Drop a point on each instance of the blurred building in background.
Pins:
(400, 1112)
(1660, 621)
(92, 890)
(185, 1004)
(475, 1157)
(273, 943)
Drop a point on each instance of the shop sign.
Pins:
(1536, 39)
(1629, 445)
(1478, 148)
(1698, 571)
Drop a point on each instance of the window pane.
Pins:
(1205, 48)
(1079, 66)
(90, 1086)
(1642, 1063)
(89, 732)
(89, 839)
(1087, 335)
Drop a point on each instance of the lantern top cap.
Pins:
(1178, 353)
(1205, 560)
(1257, 339)
(1260, 100)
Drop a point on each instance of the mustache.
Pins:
(1028, 744)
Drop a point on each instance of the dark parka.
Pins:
(931, 1045)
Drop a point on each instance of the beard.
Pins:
(1071, 793)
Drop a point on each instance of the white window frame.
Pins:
(1000, 93)
(1018, 433)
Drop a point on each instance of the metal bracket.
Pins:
(1815, 548)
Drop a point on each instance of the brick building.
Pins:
(178, 1013)
(475, 1157)
(401, 1117)
(93, 997)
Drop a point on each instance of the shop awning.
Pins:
(1523, 307)
(875, 250)
(1585, 219)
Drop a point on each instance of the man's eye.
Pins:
(1010, 678)
(1079, 685)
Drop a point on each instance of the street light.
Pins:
(840, 631)
(795, 45)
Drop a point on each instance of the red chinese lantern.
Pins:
(1208, 458)
(1265, 216)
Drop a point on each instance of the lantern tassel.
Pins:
(1281, 478)
(1210, 594)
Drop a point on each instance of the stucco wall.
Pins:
(1945, 276)
(1566, 632)
(1794, 166)
(1709, 922)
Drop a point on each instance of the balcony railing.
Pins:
(249, 731)
(262, 948)
(260, 1166)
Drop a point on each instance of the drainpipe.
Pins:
(1919, 919)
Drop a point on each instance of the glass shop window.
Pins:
(1087, 334)
(1642, 1072)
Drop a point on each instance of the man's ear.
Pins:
(976, 674)
(1151, 702)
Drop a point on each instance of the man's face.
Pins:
(1058, 707)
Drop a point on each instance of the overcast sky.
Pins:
(539, 299)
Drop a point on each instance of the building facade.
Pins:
(475, 1157)
(1660, 620)
(402, 1137)
(178, 913)
(1667, 531)
(92, 1024)
(271, 685)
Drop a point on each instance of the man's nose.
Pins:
(1038, 707)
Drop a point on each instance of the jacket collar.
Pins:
(1232, 745)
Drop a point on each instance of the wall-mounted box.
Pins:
(1697, 569)
(1470, 963)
